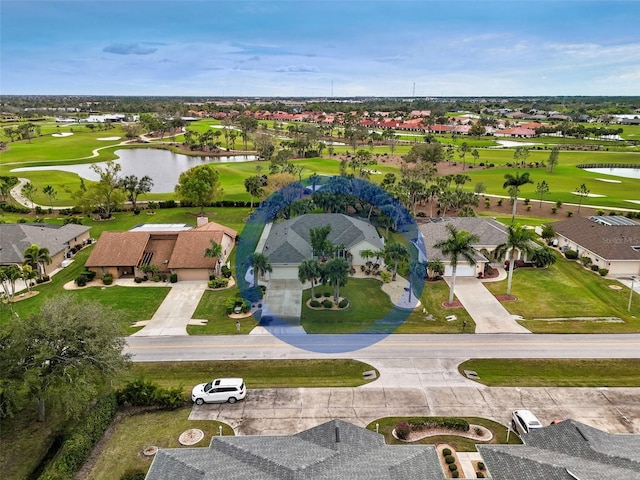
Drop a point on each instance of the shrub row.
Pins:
(145, 393)
(218, 283)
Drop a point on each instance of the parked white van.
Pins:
(219, 390)
(523, 421)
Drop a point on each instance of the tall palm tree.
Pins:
(28, 274)
(309, 270)
(37, 257)
(336, 272)
(457, 244)
(261, 265)
(214, 251)
(436, 267)
(518, 238)
(512, 184)
(393, 253)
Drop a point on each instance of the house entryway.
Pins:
(282, 308)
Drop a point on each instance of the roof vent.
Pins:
(337, 434)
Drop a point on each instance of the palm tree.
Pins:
(394, 252)
(436, 267)
(28, 274)
(336, 272)
(261, 265)
(309, 270)
(214, 251)
(457, 244)
(518, 238)
(37, 257)
(513, 184)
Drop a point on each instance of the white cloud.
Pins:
(129, 49)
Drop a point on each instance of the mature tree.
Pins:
(214, 251)
(395, 252)
(425, 153)
(199, 185)
(105, 195)
(254, 186)
(519, 239)
(554, 158)
(135, 186)
(320, 243)
(131, 130)
(265, 146)
(309, 271)
(29, 190)
(63, 354)
(462, 153)
(476, 156)
(542, 188)
(6, 184)
(459, 243)
(477, 130)
(50, 192)
(261, 265)
(512, 184)
(247, 126)
(37, 258)
(9, 275)
(335, 272)
(521, 154)
(548, 232)
(28, 274)
(582, 191)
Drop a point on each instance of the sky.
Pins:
(328, 48)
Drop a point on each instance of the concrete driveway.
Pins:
(487, 312)
(282, 308)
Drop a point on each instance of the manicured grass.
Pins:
(567, 290)
(515, 372)
(256, 373)
(460, 444)
(123, 449)
(212, 308)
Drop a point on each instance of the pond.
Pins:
(616, 171)
(163, 166)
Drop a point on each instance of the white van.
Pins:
(523, 421)
(219, 390)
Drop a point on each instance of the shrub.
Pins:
(173, 278)
(343, 303)
(481, 466)
(327, 294)
(318, 295)
(449, 459)
(586, 261)
(570, 254)
(90, 274)
(403, 429)
(226, 271)
(314, 303)
(453, 467)
(554, 210)
(385, 276)
(500, 200)
(446, 451)
(145, 393)
(218, 283)
(456, 424)
(559, 204)
(327, 303)
(455, 474)
(263, 290)
(479, 475)
(569, 213)
(137, 279)
(603, 272)
(43, 279)
(156, 278)
(594, 268)
(107, 279)
(81, 280)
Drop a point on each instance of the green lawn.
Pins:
(460, 444)
(567, 290)
(212, 308)
(515, 372)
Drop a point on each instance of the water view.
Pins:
(163, 166)
(616, 172)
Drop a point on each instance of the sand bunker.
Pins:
(588, 194)
(608, 180)
(63, 134)
(108, 138)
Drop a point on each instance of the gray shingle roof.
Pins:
(16, 237)
(568, 446)
(290, 241)
(312, 454)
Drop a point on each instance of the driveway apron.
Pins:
(283, 307)
(487, 312)
(173, 315)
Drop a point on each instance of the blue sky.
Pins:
(303, 47)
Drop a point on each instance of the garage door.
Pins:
(284, 273)
(463, 270)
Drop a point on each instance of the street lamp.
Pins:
(633, 279)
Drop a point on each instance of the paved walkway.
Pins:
(487, 312)
(175, 312)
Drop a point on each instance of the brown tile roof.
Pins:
(189, 249)
(161, 247)
(213, 226)
(118, 249)
(611, 242)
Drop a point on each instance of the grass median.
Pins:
(511, 372)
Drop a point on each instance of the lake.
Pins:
(616, 172)
(163, 166)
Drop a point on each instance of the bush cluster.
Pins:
(403, 429)
(570, 254)
(226, 271)
(145, 393)
(218, 283)
(138, 279)
(327, 303)
(77, 448)
(314, 303)
(603, 272)
(343, 303)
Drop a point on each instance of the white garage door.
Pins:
(284, 273)
(463, 270)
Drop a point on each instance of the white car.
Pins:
(523, 421)
(219, 390)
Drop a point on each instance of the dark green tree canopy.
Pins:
(199, 185)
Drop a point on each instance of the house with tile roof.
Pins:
(60, 240)
(491, 233)
(567, 450)
(615, 247)
(286, 244)
(173, 251)
(335, 449)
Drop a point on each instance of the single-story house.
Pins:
(491, 233)
(335, 449)
(567, 450)
(60, 240)
(286, 244)
(173, 251)
(611, 242)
